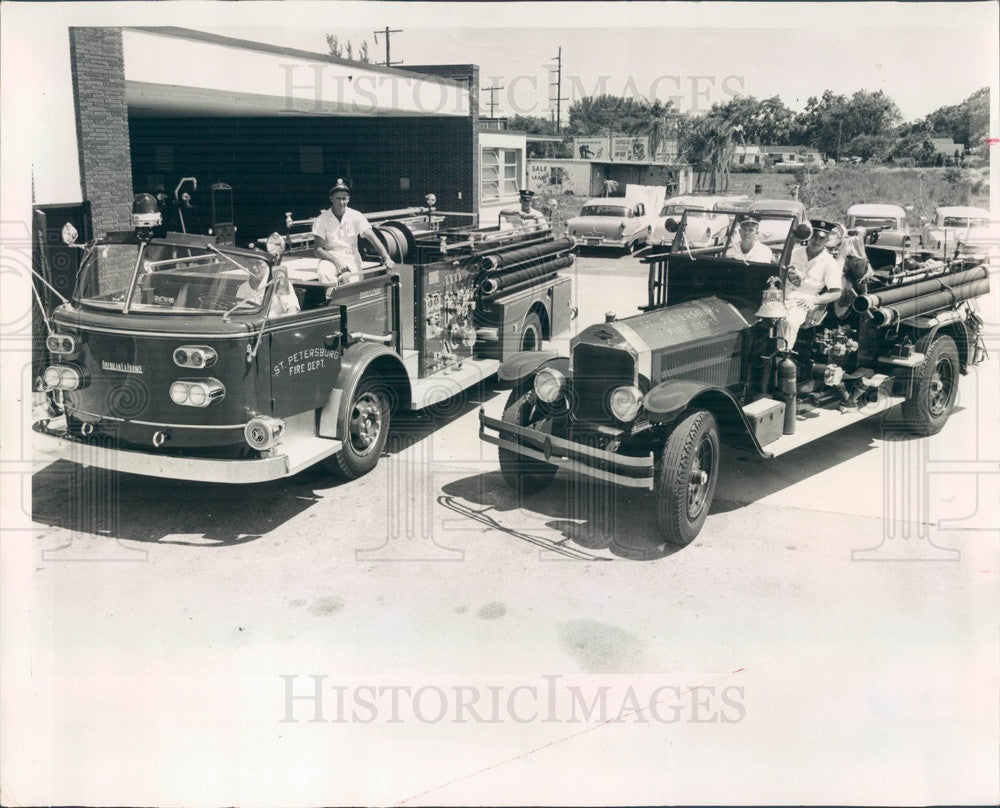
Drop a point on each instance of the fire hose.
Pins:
(503, 261)
(496, 284)
(910, 292)
(887, 315)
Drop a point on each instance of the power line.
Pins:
(386, 32)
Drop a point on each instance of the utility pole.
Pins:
(492, 91)
(386, 32)
(558, 88)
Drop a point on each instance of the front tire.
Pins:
(688, 474)
(524, 474)
(934, 386)
(365, 428)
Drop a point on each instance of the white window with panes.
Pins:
(501, 170)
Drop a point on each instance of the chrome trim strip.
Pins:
(157, 423)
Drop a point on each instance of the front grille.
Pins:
(597, 371)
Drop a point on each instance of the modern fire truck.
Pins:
(644, 401)
(168, 359)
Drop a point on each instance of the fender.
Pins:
(667, 400)
(520, 366)
(357, 359)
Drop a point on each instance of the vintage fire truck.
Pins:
(170, 359)
(644, 401)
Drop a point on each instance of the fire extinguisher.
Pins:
(787, 386)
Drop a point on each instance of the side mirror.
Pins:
(802, 231)
(69, 234)
(671, 225)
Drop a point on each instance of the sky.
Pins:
(922, 58)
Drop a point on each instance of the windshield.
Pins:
(676, 210)
(603, 210)
(965, 221)
(873, 221)
(717, 234)
(171, 278)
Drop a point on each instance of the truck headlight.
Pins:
(61, 377)
(194, 356)
(625, 403)
(60, 344)
(549, 385)
(196, 392)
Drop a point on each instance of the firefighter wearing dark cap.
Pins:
(336, 230)
(814, 279)
(525, 214)
(747, 247)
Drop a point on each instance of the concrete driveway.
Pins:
(420, 637)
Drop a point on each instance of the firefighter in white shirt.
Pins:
(337, 230)
(525, 213)
(814, 278)
(748, 248)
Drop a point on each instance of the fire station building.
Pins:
(136, 108)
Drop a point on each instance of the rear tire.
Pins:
(688, 474)
(524, 474)
(531, 332)
(364, 428)
(934, 385)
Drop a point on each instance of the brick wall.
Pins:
(98, 71)
(288, 164)
(469, 76)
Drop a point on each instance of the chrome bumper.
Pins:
(633, 472)
(60, 445)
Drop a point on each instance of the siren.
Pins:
(802, 231)
(145, 212)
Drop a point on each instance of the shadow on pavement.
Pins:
(596, 519)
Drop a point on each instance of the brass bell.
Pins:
(772, 304)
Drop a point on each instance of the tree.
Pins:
(345, 50)
(707, 143)
(967, 122)
(832, 121)
(767, 122)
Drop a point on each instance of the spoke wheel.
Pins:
(689, 471)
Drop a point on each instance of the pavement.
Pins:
(418, 636)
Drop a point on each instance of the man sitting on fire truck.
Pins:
(525, 214)
(336, 230)
(812, 270)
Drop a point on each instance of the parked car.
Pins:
(645, 402)
(703, 230)
(884, 225)
(959, 228)
(772, 230)
(611, 222)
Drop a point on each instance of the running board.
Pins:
(451, 381)
(822, 422)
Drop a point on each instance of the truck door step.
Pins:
(822, 422)
(451, 381)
